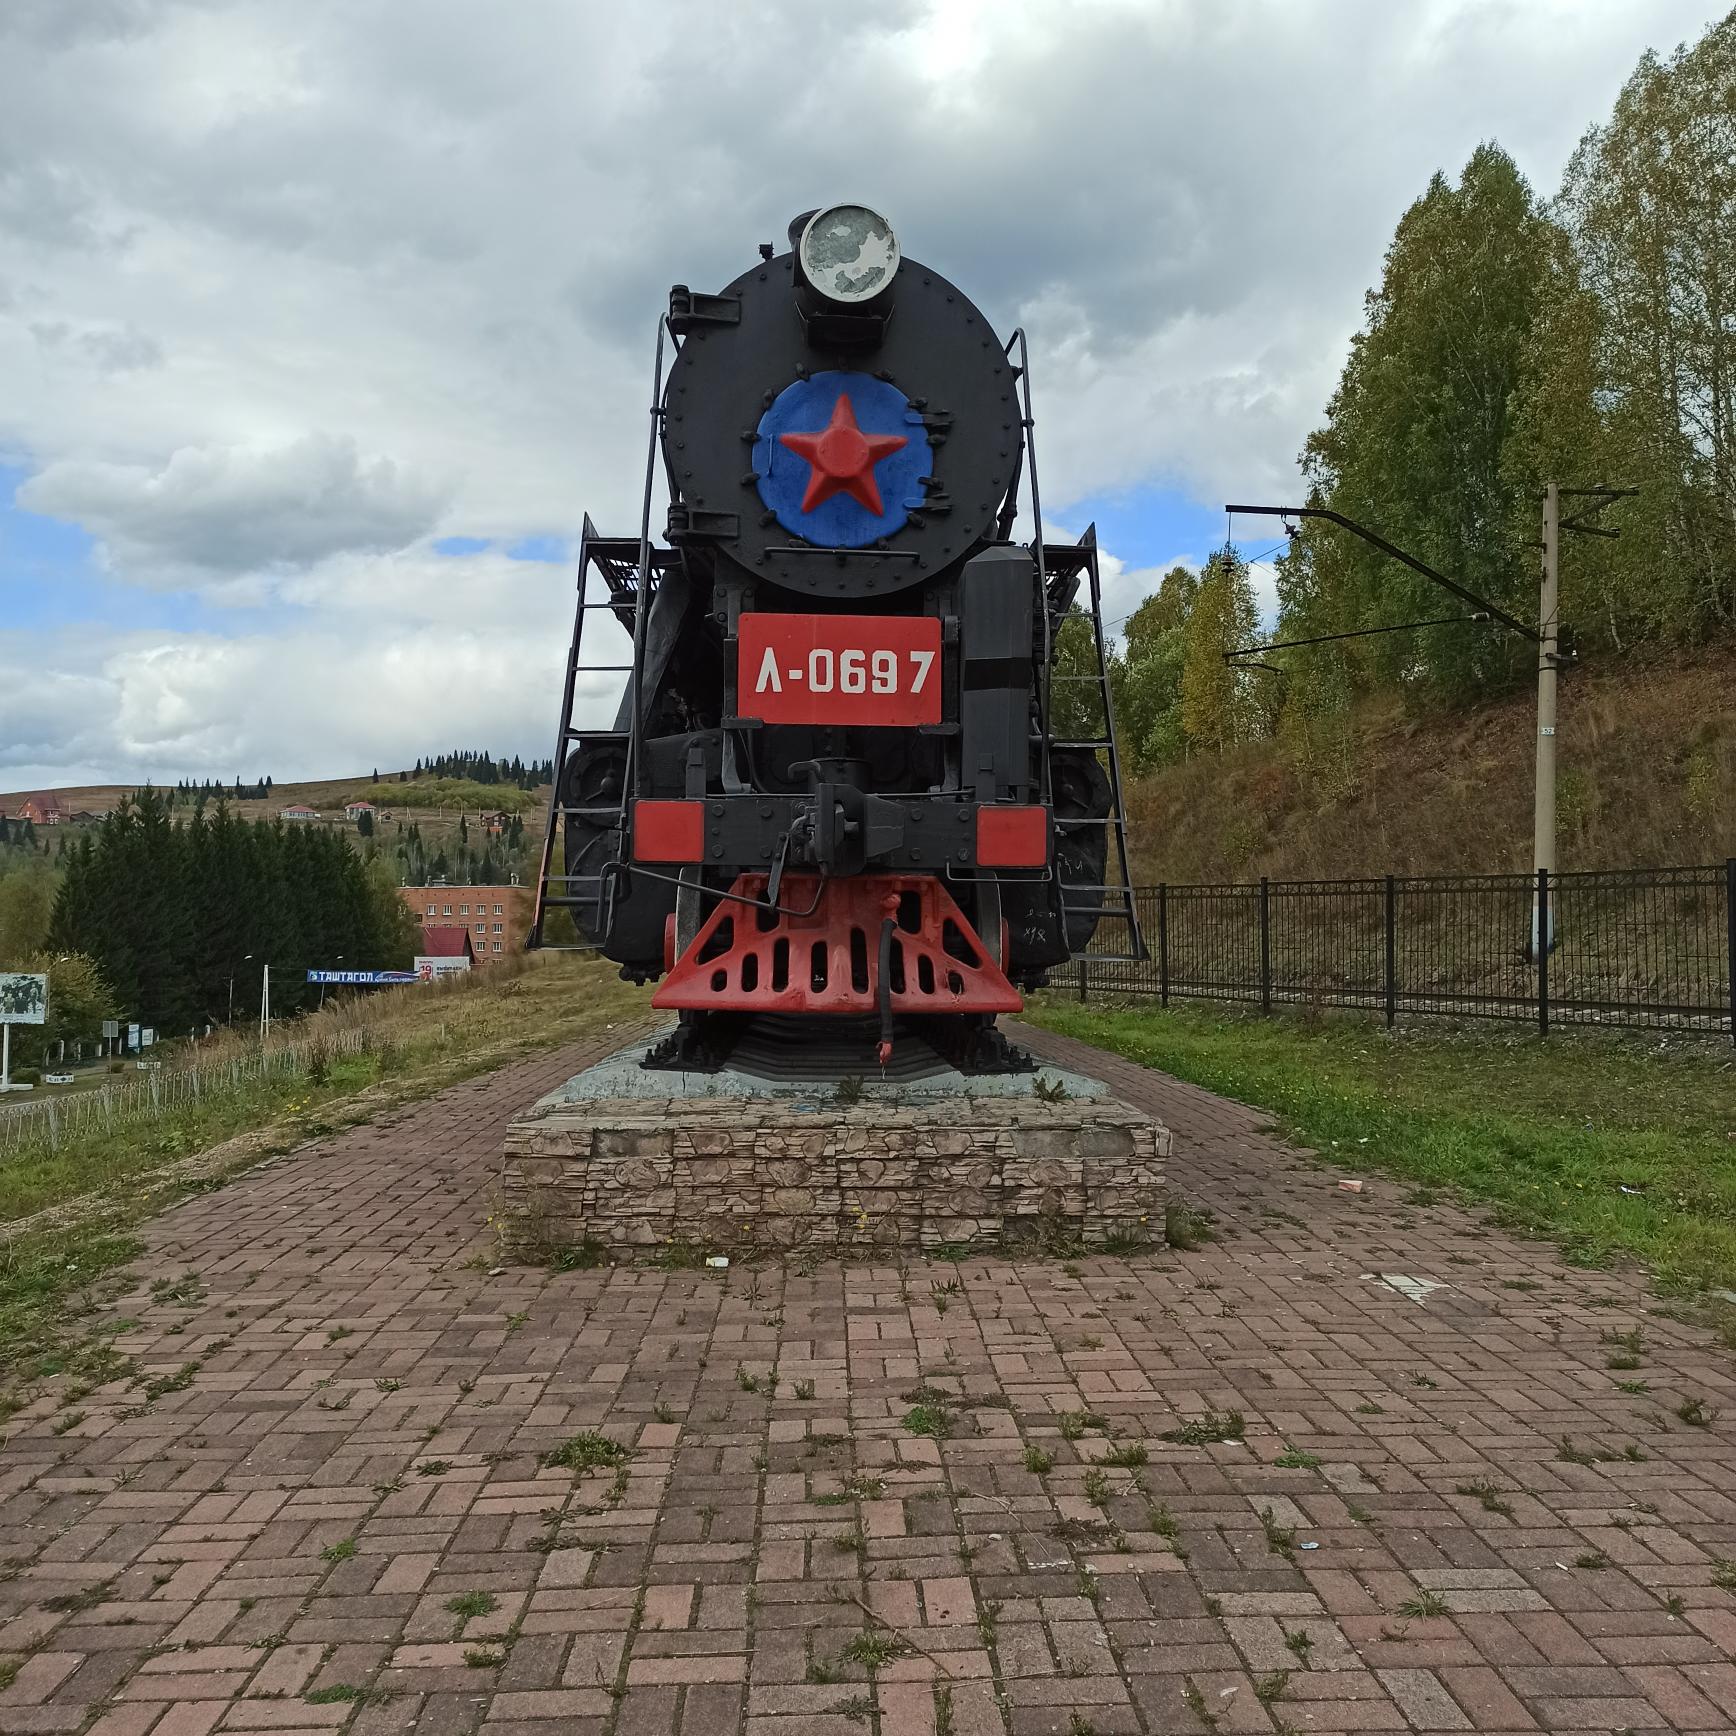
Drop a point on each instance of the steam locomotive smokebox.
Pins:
(732, 1162)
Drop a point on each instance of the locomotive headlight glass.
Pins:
(848, 253)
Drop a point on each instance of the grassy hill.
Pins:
(436, 808)
(424, 797)
(1647, 759)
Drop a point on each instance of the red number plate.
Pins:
(863, 669)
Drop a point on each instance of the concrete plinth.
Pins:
(632, 1160)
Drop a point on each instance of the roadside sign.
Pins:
(428, 968)
(361, 978)
(23, 998)
(23, 1001)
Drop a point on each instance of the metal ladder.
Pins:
(1064, 564)
(586, 894)
(1059, 567)
(630, 569)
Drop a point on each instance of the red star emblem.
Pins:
(843, 458)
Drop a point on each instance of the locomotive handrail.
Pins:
(533, 939)
(641, 608)
(1028, 422)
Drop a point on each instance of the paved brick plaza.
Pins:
(358, 1446)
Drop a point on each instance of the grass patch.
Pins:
(77, 1602)
(346, 1694)
(1280, 1539)
(1548, 1132)
(1423, 1605)
(587, 1451)
(1184, 1227)
(1073, 1424)
(1208, 1430)
(471, 1603)
(874, 1650)
(933, 1420)
(1126, 1456)
(1489, 1494)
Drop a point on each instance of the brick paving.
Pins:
(328, 1510)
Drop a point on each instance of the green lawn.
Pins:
(1550, 1133)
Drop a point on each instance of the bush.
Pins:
(26, 1076)
(117, 1066)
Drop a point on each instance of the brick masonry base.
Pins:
(734, 1174)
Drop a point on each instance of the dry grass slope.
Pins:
(1648, 779)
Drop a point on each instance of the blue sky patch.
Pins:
(539, 548)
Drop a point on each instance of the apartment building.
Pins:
(497, 918)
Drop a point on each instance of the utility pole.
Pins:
(1550, 660)
(1548, 632)
(264, 1003)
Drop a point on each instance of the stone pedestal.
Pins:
(939, 1166)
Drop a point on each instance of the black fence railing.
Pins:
(1654, 947)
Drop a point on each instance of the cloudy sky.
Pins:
(323, 321)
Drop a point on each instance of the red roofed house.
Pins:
(444, 950)
(40, 810)
(297, 811)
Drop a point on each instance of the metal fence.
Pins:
(1653, 947)
(152, 1093)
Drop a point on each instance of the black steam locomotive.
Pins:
(833, 787)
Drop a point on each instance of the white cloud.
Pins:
(220, 512)
(317, 284)
(130, 707)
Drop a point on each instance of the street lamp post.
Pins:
(245, 958)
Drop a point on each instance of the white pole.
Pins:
(6, 1056)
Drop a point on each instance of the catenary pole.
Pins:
(1548, 632)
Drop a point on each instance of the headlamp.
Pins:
(848, 254)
